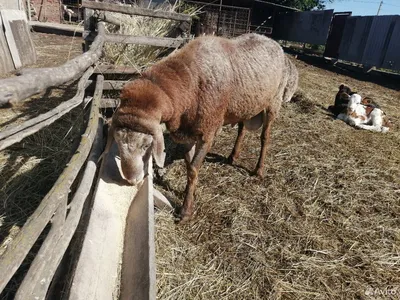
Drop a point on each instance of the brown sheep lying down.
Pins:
(210, 82)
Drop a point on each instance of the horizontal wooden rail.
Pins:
(17, 250)
(110, 85)
(44, 266)
(114, 84)
(34, 81)
(113, 69)
(15, 134)
(110, 18)
(109, 103)
(145, 40)
(124, 9)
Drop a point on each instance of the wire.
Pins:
(366, 1)
(385, 3)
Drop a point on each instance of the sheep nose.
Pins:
(132, 181)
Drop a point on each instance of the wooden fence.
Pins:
(54, 206)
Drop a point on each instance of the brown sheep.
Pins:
(210, 82)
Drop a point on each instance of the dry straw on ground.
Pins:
(323, 224)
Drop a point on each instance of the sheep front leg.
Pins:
(193, 167)
(268, 119)
(238, 144)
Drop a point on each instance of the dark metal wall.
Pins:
(372, 41)
(305, 27)
(335, 34)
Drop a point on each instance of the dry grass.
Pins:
(323, 224)
(142, 56)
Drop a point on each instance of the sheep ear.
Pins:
(158, 147)
(341, 87)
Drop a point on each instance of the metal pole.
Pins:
(219, 16)
(379, 8)
(29, 9)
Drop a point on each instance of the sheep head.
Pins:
(136, 128)
(135, 150)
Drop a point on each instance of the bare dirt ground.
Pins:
(322, 224)
(29, 169)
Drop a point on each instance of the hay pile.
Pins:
(142, 56)
(323, 224)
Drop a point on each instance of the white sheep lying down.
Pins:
(364, 117)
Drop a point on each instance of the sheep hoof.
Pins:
(230, 160)
(184, 217)
(258, 173)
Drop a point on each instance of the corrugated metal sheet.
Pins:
(355, 37)
(372, 41)
(378, 40)
(335, 34)
(392, 57)
(305, 27)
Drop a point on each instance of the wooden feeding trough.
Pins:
(118, 252)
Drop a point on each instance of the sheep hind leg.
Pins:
(193, 167)
(268, 119)
(238, 144)
(375, 128)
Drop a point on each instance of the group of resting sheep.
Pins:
(209, 83)
(360, 112)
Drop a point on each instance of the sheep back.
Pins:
(214, 81)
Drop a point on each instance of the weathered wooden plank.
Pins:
(6, 61)
(34, 81)
(18, 36)
(138, 275)
(23, 242)
(114, 84)
(145, 40)
(12, 45)
(136, 11)
(111, 85)
(113, 69)
(109, 103)
(89, 27)
(14, 134)
(109, 18)
(44, 266)
(34, 276)
(55, 28)
(11, 4)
